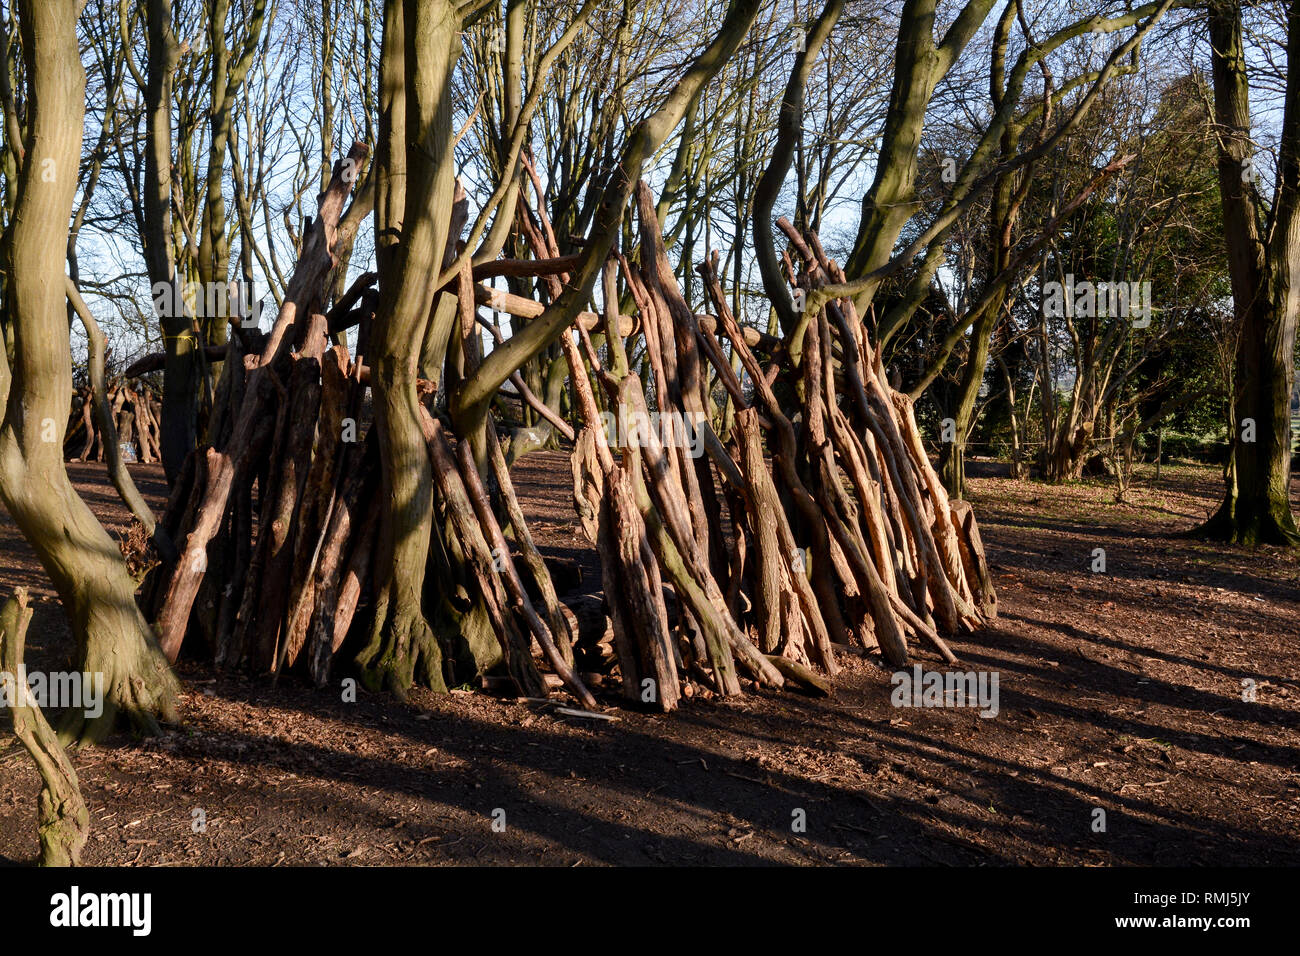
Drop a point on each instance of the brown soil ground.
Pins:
(1120, 691)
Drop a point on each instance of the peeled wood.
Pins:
(559, 622)
(888, 537)
(305, 288)
(350, 587)
(317, 498)
(633, 588)
(294, 464)
(447, 478)
(804, 677)
(319, 598)
(510, 576)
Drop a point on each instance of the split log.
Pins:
(973, 557)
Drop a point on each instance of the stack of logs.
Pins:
(839, 529)
(136, 412)
(844, 535)
(273, 580)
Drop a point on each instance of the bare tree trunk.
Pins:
(178, 424)
(1265, 289)
(82, 560)
(401, 641)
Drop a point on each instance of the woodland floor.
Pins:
(1119, 690)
